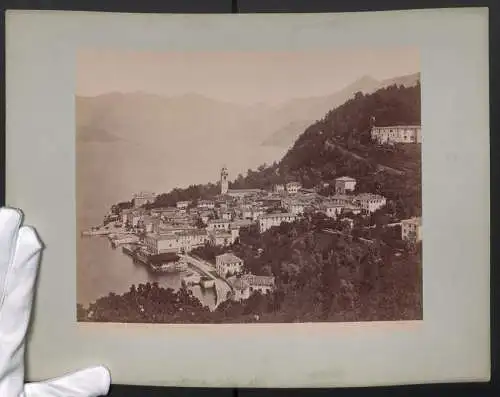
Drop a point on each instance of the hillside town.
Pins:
(166, 239)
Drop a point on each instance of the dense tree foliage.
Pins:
(191, 193)
(117, 208)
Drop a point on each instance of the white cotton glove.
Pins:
(20, 251)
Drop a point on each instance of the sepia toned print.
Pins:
(249, 187)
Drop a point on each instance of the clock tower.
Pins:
(224, 184)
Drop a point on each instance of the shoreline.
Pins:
(160, 277)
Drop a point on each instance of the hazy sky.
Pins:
(244, 77)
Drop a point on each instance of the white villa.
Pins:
(228, 263)
(397, 134)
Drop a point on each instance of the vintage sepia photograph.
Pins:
(249, 187)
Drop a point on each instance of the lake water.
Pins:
(102, 269)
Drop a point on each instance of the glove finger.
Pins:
(15, 309)
(20, 282)
(90, 382)
(10, 221)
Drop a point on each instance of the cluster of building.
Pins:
(218, 221)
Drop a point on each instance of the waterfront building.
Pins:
(159, 243)
(176, 242)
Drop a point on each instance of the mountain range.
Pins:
(192, 117)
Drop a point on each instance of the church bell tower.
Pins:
(224, 184)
